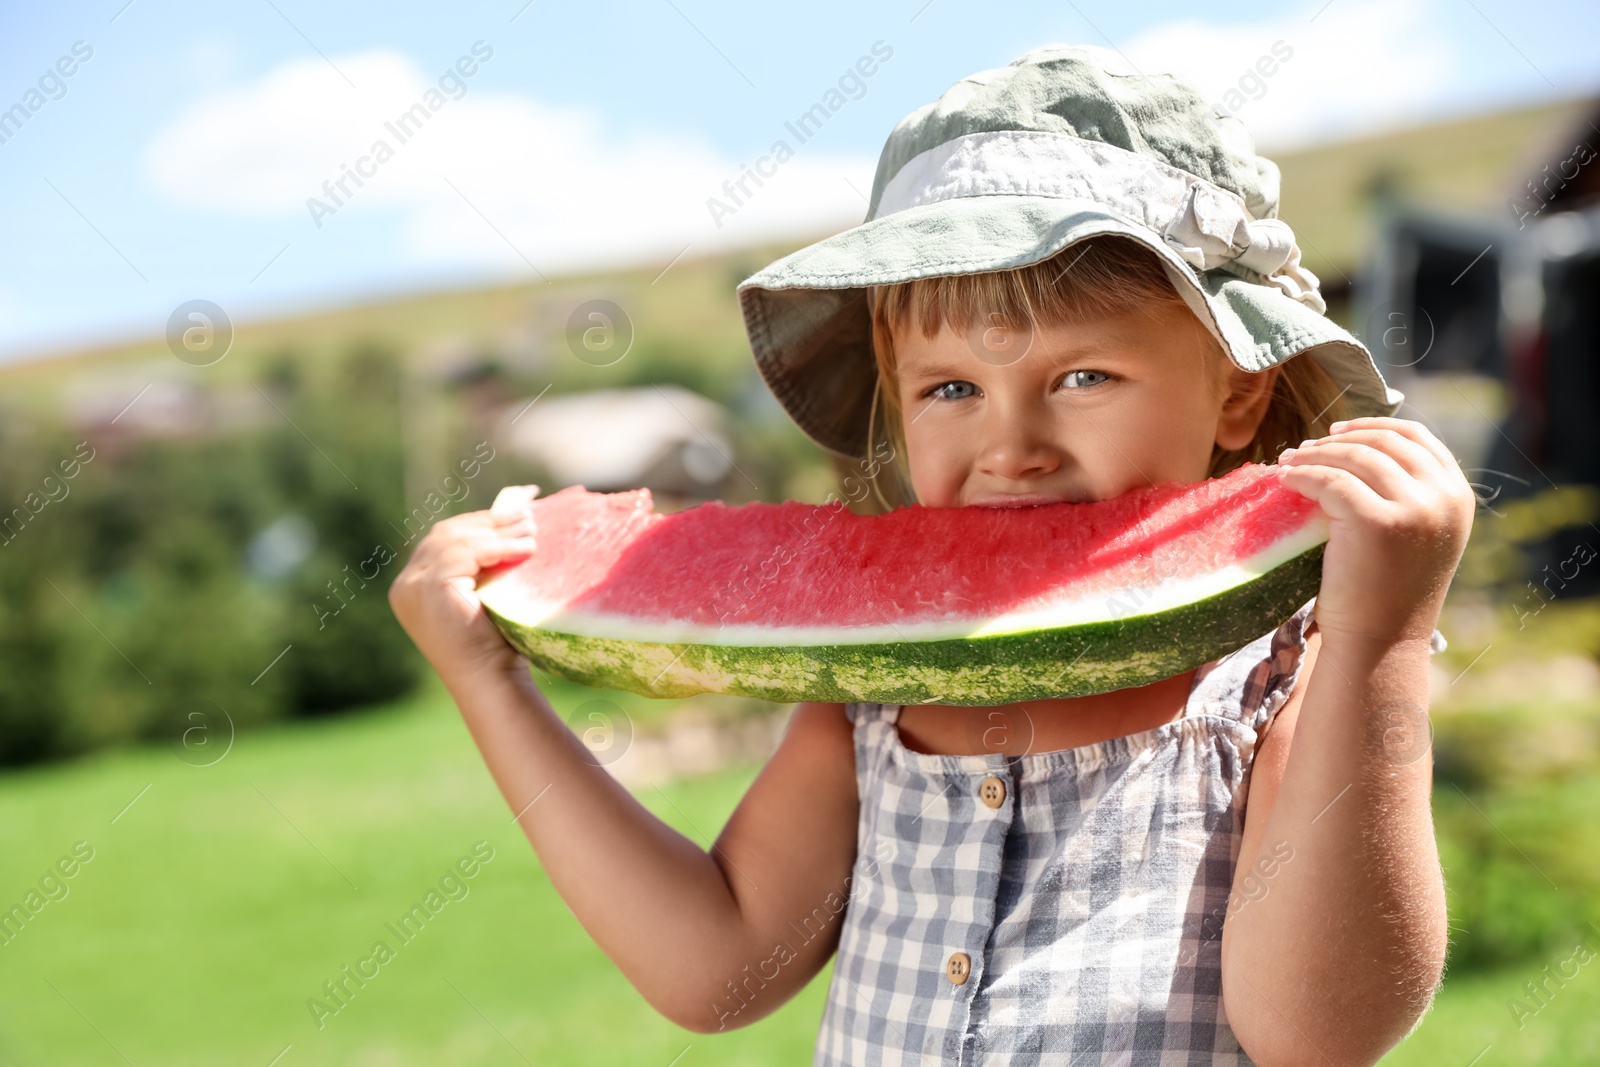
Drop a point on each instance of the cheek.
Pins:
(936, 466)
(1173, 444)
(1159, 440)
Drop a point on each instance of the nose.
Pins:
(1016, 444)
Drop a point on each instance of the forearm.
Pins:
(658, 904)
(1343, 951)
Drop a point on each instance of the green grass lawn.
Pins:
(205, 920)
(1471, 1022)
(220, 901)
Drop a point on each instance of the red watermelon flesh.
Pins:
(970, 604)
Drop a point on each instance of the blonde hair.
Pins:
(1098, 276)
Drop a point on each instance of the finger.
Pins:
(1414, 459)
(454, 524)
(509, 523)
(469, 555)
(513, 500)
(505, 522)
(1407, 428)
(468, 527)
(465, 587)
(1340, 494)
(509, 549)
(1378, 469)
(496, 546)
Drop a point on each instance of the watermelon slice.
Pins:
(967, 606)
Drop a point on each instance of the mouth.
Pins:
(1019, 501)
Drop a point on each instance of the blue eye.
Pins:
(937, 391)
(1070, 374)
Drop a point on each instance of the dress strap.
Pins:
(858, 713)
(1250, 684)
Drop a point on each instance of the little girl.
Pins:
(1071, 283)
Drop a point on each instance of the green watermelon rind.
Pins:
(968, 671)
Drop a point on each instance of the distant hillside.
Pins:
(685, 318)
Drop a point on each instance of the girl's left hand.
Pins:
(1399, 509)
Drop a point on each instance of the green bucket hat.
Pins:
(1010, 166)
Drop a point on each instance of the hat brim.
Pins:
(811, 335)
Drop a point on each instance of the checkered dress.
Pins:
(1090, 901)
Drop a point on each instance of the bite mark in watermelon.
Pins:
(963, 606)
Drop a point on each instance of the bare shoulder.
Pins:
(820, 742)
(817, 718)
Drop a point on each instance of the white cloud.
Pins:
(560, 186)
(1362, 65)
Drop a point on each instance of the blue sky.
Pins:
(176, 162)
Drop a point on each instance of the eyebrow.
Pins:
(932, 370)
(943, 369)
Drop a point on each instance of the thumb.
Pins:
(465, 586)
(513, 500)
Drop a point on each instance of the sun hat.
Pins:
(1010, 166)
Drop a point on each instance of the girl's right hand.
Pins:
(435, 597)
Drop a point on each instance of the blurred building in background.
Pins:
(156, 398)
(1466, 255)
(664, 438)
